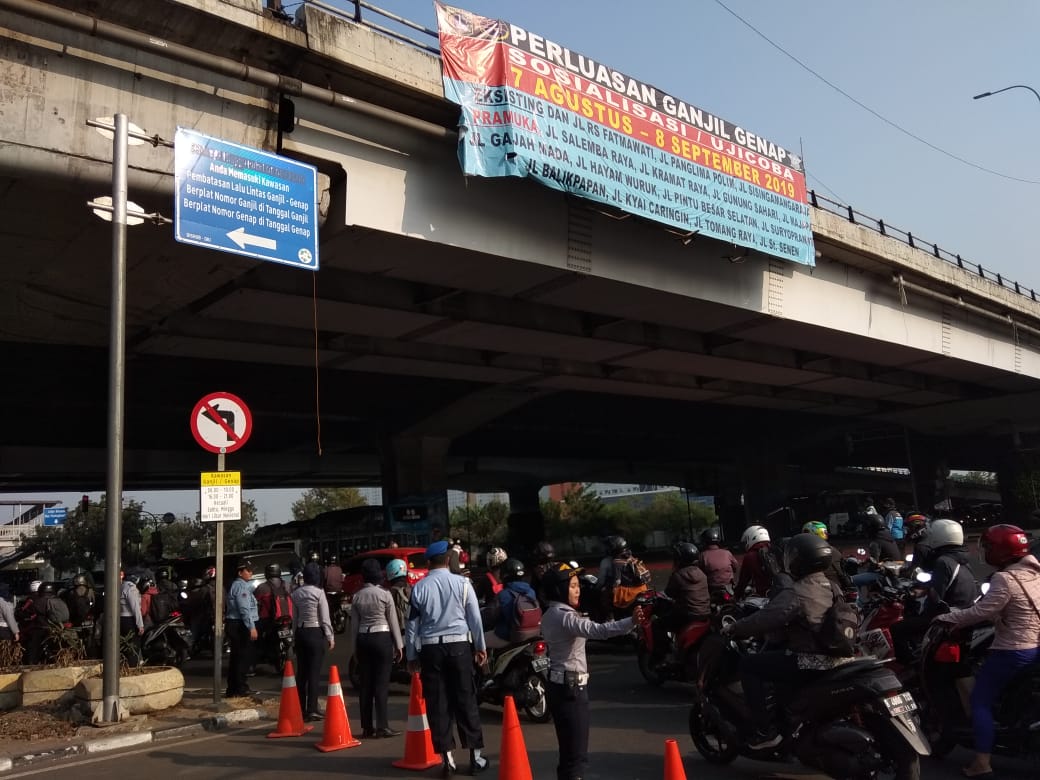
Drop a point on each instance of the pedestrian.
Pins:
(131, 621)
(565, 631)
(8, 624)
(376, 637)
(241, 622)
(444, 639)
(313, 633)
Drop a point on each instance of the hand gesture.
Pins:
(480, 657)
(398, 655)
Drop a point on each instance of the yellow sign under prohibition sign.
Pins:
(220, 496)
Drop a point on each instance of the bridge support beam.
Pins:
(929, 472)
(413, 485)
(526, 524)
(1019, 481)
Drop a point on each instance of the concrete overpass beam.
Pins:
(526, 524)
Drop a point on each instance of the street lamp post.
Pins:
(1005, 89)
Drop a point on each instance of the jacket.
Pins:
(755, 571)
(719, 565)
(836, 572)
(689, 587)
(792, 614)
(883, 547)
(1013, 604)
(507, 605)
(958, 593)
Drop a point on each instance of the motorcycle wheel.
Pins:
(708, 738)
(339, 622)
(646, 667)
(536, 694)
(182, 658)
(906, 763)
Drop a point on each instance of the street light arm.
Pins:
(1005, 89)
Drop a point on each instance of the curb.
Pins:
(131, 739)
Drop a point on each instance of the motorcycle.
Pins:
(278, 644)
(520, 671)
(167, 643)
(337, 611)
(850, 722)
(677, 658)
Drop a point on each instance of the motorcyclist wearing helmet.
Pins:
(490, 584)
(719, 564)
(836, 573)
(332, 575)
(199, 610)
(1011, 605)
(792, 617)
(49, 610)
(760, 564)
(882, 546)
(565, 631)
(949, 563)
(400, 588)
(544, 557)
(273, 606)
(511, 572)
(80, 600)
(688, 587)
(617, 594)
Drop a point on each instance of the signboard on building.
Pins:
(220, 496)
(533, 108)
(246, 201)
(55, 515)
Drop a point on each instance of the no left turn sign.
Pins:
(221, 422)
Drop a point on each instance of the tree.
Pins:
(484, 525)
(317, 500)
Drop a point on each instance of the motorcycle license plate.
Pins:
(284, 633)
(539, 664)
(900, 704)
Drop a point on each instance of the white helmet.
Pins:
(944, 532)
(35, 585)
(495, 556)
(753, 535)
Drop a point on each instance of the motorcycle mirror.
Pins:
(923, 577)
(909, 557)
(984, 588)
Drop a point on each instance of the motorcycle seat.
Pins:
(847, 670)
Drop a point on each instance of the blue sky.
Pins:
(916, 64)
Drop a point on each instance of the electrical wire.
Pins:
(865, 107)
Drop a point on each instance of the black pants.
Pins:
(241, 657)
(375, 656)
(130, 644)
(310, 651)
(449, 687)
(32, 642)
(757, 672)
(570, 712)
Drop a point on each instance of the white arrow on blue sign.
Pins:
(55, 515)
(246, 201)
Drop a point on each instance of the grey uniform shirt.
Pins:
(565, 631)
(373, 608)
(7, 616)
(311, 609)
(130, 603)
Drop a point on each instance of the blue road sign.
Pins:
(235, 199)
(54, 515)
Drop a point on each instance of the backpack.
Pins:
(527, 618)
(770, 562)
(160, 606)
(632, 572)
(282, 604)
(836, 634)
(25, 613)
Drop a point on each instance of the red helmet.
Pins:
(1004, 544)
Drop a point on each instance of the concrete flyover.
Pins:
(473, 333)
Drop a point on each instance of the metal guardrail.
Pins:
(876, 224)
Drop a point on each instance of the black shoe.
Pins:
(313, 716)
(368, 734)
(447, 770)
(761, 740)
(476, 768)
(387, 733)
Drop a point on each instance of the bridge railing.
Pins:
(371, 15)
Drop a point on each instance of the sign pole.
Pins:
(218, 608)
(116, 379)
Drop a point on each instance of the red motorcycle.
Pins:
(677, 658)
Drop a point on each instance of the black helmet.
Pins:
(616, 545)
(244, 564)
(46, 587)
(331, 560)
(685, 554)
(272, 570)
(874, 523)
(711, 536)
(511, 570)
(79, 581)
(314, 556)
(805, 554)
(162, 573)
(557, 580)
(544, 552)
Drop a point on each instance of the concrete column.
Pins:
(929, 473)
(1019, 481)
(526, 524)
(765, 492)
(414, 493)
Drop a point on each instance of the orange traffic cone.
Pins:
(418, 743)
(337, 728)
(290, 716)
(512, 763)
(673, 768)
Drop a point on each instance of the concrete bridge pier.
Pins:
(1019, 487)
(414, 483)
(526, 524)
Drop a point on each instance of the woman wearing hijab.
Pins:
(313, 633)
(376, 636)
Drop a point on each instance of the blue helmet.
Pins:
(395, 569)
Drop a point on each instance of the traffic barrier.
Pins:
(336, 735)
(673, 768)
(512, 763)
(418, 742)
(290, 716)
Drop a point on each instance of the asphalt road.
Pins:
(630, 724)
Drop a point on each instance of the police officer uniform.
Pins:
(565, 631)
(242, 616)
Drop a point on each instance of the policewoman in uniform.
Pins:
(376, 638)
(444, 638)
(313, 633)
(242, 616)
(565, 631)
